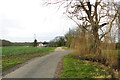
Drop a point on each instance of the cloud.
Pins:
(21, 19)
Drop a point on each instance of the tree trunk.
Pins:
(97, 42)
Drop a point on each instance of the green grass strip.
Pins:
(74, 68)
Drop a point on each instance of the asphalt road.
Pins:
(40, 67)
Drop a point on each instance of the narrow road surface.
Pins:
(40, 67)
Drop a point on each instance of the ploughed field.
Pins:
(14, 55)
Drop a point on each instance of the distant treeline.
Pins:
(8, 43)
(58, 41)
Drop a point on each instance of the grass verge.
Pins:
(75, 68)
(12, 61)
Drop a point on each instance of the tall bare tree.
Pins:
(93, 15)
(119, 22)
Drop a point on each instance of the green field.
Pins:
(14, 55)
(75, 68)
(17, 50)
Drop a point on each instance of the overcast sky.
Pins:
(21, 19)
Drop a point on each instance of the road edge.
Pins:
(22, 64)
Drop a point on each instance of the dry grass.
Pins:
(105, 53)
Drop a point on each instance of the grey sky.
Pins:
(21, 19)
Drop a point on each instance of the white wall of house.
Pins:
(40, 45)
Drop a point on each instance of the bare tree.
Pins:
(119, 22)
(94, 16)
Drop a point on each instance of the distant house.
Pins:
(43, 44)
(40, 44)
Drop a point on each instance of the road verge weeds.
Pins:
(76, 68)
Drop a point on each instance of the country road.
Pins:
(40, 67)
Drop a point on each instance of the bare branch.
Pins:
(103, 25)
(110, 26)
